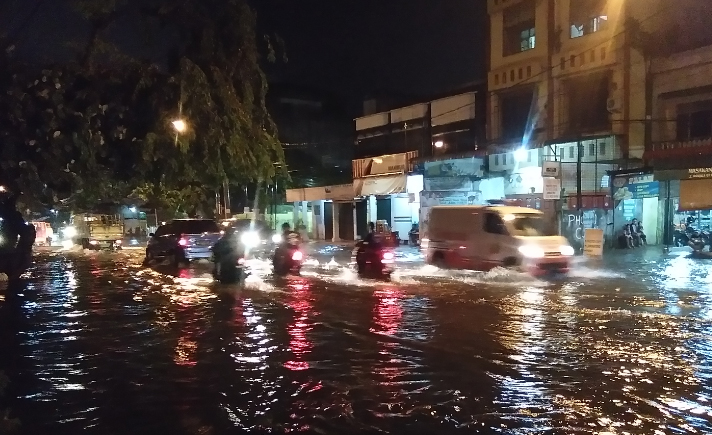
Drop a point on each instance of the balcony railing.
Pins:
(672, 149)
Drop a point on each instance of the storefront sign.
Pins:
(684, 174)
(386, 185)
(550, 169)
(552, 188)
(383, 165)
(634, 188)
(455, 168)
(593, 242)
(462, 184)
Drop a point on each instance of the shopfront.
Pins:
(688, 195)
(386, 192)
(636, 195)
(326, 212)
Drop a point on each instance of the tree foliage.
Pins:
(100, 128)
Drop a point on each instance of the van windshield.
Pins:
(529, 225)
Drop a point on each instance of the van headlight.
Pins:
(277, 238)
(250, 239)
(70, 232)
(567, 250)
(531, 251)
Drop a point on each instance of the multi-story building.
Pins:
(575, 78)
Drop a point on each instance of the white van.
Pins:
(485, 237)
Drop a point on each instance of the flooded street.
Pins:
(99, 344)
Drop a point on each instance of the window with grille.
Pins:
(519, 28)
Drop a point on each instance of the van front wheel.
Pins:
(439, 260)
(510, 262)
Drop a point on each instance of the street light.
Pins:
(521, 154)
(439, 144)
(179, 125)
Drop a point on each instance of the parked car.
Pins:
(183, 240)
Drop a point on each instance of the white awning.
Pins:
(386, 185)
(341, 192)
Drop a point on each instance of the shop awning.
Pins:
(386, 185)
(695, 195)
(341, 192)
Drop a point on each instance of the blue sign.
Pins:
(631, 188)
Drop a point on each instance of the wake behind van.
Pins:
(485, 237)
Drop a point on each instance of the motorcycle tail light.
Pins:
(388, 256)
(297, 256)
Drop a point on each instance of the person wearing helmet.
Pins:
(289, 237)
(17, 237)
(226, 251)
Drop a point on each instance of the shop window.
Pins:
(519, 28)
(694, 121)
(588, 103)
(515, 111)
(587, 16)
(494, 224)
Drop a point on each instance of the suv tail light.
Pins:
(182, 241)
(297, 256)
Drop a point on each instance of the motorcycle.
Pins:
(697, 242)
(229, 269)
(374, 261)
(287, 260)
(13, 261)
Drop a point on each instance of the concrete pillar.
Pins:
(335, 221)
(295, 215)
(372, 214)
(305, 220)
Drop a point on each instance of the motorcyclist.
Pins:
(17, 237)
(227, 251)
(370, 244)
(289, 237)
(290, 241)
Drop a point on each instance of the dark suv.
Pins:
(183, 240)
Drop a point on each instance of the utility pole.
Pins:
(226, 198)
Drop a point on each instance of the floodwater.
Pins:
(98, 344)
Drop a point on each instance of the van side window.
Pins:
(494, 224)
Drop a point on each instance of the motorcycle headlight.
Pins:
(277, 238)
(531, 251)
(250, 239)
(567, 250)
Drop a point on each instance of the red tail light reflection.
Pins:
(297, 256)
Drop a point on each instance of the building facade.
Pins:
(583, 81)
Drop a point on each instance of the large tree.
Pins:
(100, 128)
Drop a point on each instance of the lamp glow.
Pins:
(439, 144)
(520, 155)
(179, 125)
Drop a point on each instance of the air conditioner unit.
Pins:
(613, 105)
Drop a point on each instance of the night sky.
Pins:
(353, 47)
